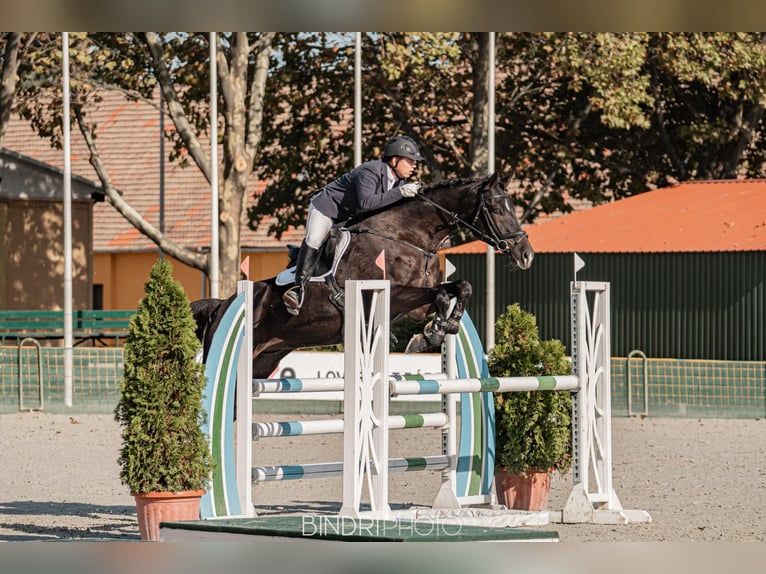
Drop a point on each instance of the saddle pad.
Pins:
(287, 277)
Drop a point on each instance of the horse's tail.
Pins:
(205, 312)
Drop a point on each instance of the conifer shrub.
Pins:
(160, 405)
(533, 429)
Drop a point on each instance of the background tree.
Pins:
(179, 63)
(605, 116)
(578, 115)
(9, 47)
(412, 83)
(583, 116)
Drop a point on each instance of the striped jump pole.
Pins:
(485, 384)
(335, 469)
(330, 384)
(335, 426)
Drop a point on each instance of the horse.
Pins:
(409, 233)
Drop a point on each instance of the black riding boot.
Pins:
(308, 257)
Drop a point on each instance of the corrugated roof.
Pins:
(129, 144)
(692, 216)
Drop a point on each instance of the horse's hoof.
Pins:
(453, 327)
(433, 334)
(417, 344)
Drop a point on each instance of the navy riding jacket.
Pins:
(364, 188)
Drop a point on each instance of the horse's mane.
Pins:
(442, 186)
(453, 183)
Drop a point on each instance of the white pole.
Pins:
(68, 338)
(489, 332)
(358, 100)
(213, 167)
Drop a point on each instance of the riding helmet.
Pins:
(403, 146)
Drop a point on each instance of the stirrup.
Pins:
(293, 299)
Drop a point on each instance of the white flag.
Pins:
(449, 268)
(578, 264)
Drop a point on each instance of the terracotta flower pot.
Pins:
(155, 507)
(523, 492)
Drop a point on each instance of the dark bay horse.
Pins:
(410, 232)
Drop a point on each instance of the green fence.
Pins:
(662, 387)
(40, 374)
(689, 388)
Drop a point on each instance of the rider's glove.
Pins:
(410, 189)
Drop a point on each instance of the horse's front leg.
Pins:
(461, 291)
(444, 324)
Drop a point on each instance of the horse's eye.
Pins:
(500, 206)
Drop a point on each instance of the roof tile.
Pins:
(129, 144)
(724, 215)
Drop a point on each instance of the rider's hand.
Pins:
(410, 189)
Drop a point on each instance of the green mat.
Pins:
(343, 529)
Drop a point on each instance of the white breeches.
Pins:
(318, 227)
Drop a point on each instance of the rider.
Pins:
(369, 186)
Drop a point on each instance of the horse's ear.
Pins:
(496, 180)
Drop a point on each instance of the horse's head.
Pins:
(495, 217)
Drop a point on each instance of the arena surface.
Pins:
(700, 479)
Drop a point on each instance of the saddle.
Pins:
(330, 255)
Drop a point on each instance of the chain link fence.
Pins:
(32, 377)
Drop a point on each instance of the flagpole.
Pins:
(68, 331)
(489, 332)
(358, 99)
(214, 279)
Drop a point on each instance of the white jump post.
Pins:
(366, 397)
(593, 498)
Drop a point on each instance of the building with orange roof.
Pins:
(688, 217)
(687, 265)
(120, 257)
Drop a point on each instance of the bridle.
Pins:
(503, 242)
(500, 241)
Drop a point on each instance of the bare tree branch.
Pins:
(187, 256)
(175, 110)
(258, 92)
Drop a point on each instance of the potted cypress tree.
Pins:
(165, 457)
(533, 430)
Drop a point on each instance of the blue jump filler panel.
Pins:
(222, 497)
(476, 448)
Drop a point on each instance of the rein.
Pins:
(496, 240)
(430, 254)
